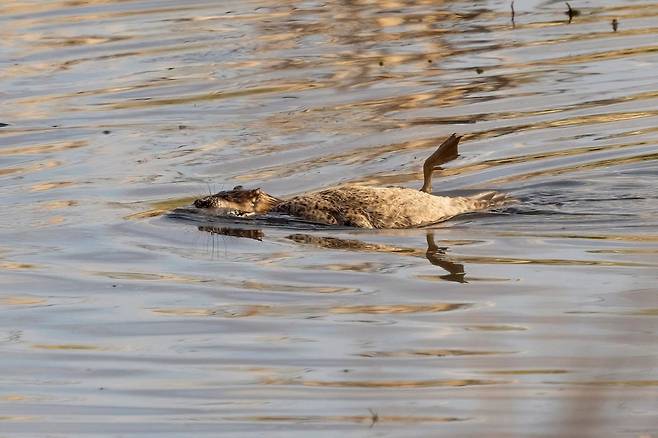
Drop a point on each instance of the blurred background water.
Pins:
(117, 319)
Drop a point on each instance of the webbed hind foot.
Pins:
(447, 151)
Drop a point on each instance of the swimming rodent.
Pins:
(364, 206)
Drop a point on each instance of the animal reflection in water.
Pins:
(363, 206)
(435, 254)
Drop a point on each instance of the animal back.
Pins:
(378, 207)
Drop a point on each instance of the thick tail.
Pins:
(493, 199)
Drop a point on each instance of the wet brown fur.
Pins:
(383, 207)
(363, 206)
(252, 201)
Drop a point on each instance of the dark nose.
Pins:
(199, 203)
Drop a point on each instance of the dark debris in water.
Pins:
(571, 12)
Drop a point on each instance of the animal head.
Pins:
(244, 201)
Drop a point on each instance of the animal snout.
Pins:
(201, 203)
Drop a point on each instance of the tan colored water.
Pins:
(115, 320)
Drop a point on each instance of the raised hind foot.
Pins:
(447, 151)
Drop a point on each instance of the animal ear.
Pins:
(258, 191)
(237, 188)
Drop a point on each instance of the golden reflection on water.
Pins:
(21, 300)
(42, 149)
(161, 207)
(215, 95)
(11, 266)
(244, 311)
(13, 397)
(260, 286)
(56, 220)
(526, 372)
(65, 347)
(58, 204)
(50, 186)
(402, 178)
(580, 167)
(116, 113)
(406, 308)
(36, 167)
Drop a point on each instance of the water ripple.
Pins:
(125, 311)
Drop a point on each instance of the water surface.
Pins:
(119, 320)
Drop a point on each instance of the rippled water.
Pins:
(119, 320)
